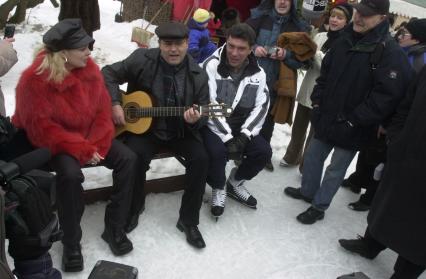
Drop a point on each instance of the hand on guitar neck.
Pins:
(191, 115)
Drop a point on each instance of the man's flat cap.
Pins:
(67, 34)
(172, 30)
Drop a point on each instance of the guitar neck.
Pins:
(157, 111)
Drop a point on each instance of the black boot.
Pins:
(72, 259)
(359, 206)
(296, 194)
(310, 216)
(353, 187)
(269, 166)
(193, 235)
(133, 220)
(359, 246)
(117, 241)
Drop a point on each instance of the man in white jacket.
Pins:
(236, 79)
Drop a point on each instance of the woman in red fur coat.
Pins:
(62, 104)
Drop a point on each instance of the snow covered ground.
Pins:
(245, 243)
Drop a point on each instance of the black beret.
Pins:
(417, 29)
(172, 30)
(66, 34)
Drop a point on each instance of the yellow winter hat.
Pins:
(201, 15)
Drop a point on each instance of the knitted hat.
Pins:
(201, 16)
(417, 29)
(346, 9)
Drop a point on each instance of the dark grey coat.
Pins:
(139, 71)
(397, 218)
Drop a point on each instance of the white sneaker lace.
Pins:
(218, 197)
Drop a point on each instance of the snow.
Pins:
(244, 243)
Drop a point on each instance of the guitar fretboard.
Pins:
(155, 111)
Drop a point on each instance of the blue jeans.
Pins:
(322, 192)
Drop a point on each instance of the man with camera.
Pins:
(26, 215)
(269, 20)
(236, 79)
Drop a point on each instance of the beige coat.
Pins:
(8, 58)
(308, 83)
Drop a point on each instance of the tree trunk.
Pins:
(5, 11)
(21, 10)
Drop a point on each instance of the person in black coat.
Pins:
(397, 219)
(174, 80)
(363, 78)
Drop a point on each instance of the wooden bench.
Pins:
(157, 185)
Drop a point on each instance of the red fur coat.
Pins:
(72, 117)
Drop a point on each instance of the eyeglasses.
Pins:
(404, 33)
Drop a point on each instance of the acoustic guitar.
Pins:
(139, 112)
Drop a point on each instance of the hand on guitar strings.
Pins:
(96, 159)
(118, 115)
(192, 115)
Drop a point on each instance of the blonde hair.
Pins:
(54, 63)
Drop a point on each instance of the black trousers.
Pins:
(257, 153)
(69, 190)
(147, 145)
(403, 268)
(269, 124)
(368, 159)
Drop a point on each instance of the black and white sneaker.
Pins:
(237, 191)
(218, 202)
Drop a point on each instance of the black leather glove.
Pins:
(236, 147)
(31, 225)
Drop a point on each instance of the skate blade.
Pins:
(241, 201)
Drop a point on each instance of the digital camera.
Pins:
(271, 50)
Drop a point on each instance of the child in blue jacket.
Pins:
(200, 46)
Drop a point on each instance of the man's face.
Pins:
(283, 6)
(173, 51)
(363, 24)
(237, 51)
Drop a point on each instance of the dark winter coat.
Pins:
(416, 56)
(71, 117)
(350, 90)
(139, 70)
(397, 218)
(199, 46)
(87, 10)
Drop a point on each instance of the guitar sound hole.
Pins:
(131, 112)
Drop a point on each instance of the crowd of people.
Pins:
(362, 91)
